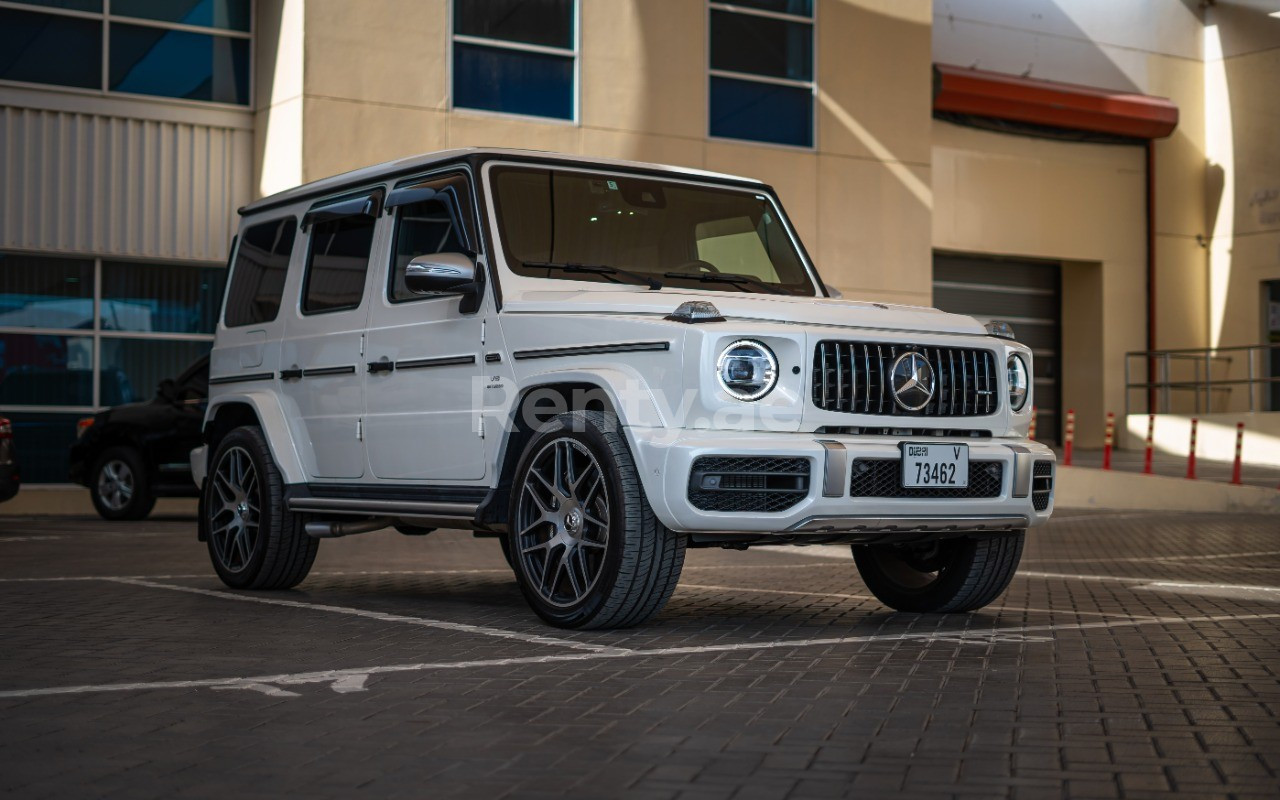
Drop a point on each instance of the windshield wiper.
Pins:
(726, 277)
(595, 269)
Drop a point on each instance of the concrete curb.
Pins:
(1082, 487)
(73, 501)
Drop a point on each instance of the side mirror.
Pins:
(439, 273)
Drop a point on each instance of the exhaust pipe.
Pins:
(333, 530)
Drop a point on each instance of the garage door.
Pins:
(1027, 295)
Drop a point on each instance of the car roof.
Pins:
(408, 166)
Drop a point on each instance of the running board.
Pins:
(385, 508)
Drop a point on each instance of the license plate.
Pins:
(940, 465)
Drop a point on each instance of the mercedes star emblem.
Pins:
(912, 380)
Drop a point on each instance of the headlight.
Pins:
(1019, 383)
(747, 369)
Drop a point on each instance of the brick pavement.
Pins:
(1135, 656)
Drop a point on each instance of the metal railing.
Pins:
(1158, 367)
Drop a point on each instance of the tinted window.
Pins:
(763, 112)
(169, 63)
(544, 22)
(438, 225)
(46, 370)
(230, 14)
(44, 292)
(761, 46)
(512, 81)
(257, 279)
(337, 264)
(44, 48)
(131, 369)
(160, 297)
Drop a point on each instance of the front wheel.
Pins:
(119, 487)
(944, 576)
(254, 541)
(587, 549)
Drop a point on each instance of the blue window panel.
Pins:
(512, 81)
(44, 48)
(131, 369)
(72, 5)
(194, 66)
(160, 297)
(761, 46)
(45, 370)
(43, 443)
(230, 14)
(761, 112)
(45, 292)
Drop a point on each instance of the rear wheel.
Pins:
(254, 542)
(587, 549)
(948, 575)
(119, 487)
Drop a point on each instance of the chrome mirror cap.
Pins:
(439, 272)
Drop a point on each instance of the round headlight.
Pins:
(1019, 382)
(747, 369)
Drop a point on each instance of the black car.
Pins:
(131, 454)
(9, 480)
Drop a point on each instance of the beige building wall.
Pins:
(370, 82)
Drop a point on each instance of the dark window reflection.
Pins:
(133, 368)
(72, 5)
(511, 81)
(195, 66)
(761, 112)
(257, 278)
(761, 46)
(45, 370)
(230, 14)
(43, 442)
(43, 48)
(338, 263)
(160, 297)
(800, 8)
(43, 292)
(544, 22)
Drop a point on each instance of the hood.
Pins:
(740, 306)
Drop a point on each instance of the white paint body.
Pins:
(447, 426)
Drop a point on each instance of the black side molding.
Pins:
(591, 350)
(254, 376)
(446, 361)
(316, 372)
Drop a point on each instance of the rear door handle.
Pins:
(382, 366)
(291, 374)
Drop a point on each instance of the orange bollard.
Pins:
(1235, 469)
(1069, 438)
(1191, 457)
(1151, 435)
(1109, 440)
(1031, 434)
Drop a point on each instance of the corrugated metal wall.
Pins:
(104, 185)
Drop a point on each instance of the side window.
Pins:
(437, 220)
(337, 263)
(735, 246)
(257, 277)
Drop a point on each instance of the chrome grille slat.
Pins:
(965, 379)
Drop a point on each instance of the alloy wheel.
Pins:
(115, 484)
(235, 510)
(563, 522)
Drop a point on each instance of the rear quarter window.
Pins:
(259, 271)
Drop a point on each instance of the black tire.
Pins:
(279, 553)
(629, 566)
(946, 576)
(120, 486)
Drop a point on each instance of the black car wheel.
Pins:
(254, 541)
(950, 575)
(119, 485)
(587, 550)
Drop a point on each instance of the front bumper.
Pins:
(666, 459)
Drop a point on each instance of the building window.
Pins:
(68, 349)
(187, 49)
(762, 71)
(516, 56)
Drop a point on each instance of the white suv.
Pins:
(600, 363)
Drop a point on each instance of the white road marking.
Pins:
(341, 676)
(530, 638)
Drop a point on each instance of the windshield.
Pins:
(644, 231)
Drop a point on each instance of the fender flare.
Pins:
(275, 427)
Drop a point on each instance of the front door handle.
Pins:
(382, 366)
(292, 374)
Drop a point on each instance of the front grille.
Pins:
(853, 377)
(758, 484)
(1041, 485)
(882, 477)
